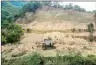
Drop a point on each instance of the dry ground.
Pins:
(63, 42)
(53, 24)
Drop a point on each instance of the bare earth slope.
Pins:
(58, 25)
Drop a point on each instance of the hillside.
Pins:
(50, 18)
(47, 13)
(58, 25)
(46, 33)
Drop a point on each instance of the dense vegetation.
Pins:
(36, 59)
(75, 7)
(11, 32)
(29, 7)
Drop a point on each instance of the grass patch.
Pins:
(36, 59)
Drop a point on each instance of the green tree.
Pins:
(83, 10)
(70, 6)
(11, 33)
(14, 33)
(91, 30)
(46, 3)
(8, 11)
(31, 7)
(76, 7)
(3, 39)
(94, 11)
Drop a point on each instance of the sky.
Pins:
(89, 6)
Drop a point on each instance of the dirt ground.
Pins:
(63, 43)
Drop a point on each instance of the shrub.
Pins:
(91, 28)
(33, 59)
(3, 39)
(36, 59)
(4, 24)
(30, 7)
(11, 33)
(14, 33)
(49, 63)
(73, 30)
(71, 60)
(28, 30)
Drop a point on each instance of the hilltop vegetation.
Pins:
(46, 11)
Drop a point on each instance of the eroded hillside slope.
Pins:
(57, 24)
